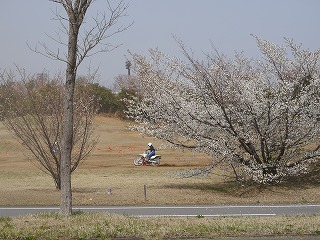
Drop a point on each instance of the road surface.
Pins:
(178, 211)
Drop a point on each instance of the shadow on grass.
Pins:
(227, 188)
(221, 187)
(251, 189)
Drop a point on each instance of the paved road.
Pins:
(178, 211)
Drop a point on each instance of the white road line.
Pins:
(29, 208)
(195, 207)
(211, 215)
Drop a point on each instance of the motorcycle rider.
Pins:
(152, 150)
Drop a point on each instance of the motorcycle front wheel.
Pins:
(137, 162)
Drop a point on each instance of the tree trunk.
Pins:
(65, 170)
(67, 138)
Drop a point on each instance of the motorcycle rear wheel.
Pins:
(155, 162)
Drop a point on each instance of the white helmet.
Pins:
(149, 144)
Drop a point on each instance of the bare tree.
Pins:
(81, 43)
(31, 108)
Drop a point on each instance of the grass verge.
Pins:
(110, 226)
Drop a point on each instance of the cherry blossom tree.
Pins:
(261, 117)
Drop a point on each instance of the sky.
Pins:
(227, 24)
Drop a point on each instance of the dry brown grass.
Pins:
(111, 167)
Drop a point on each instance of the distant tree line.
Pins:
(106, 100)
(113, 101)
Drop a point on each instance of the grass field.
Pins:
(110, 168)
(108, 177)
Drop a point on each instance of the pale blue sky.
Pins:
(226, 23)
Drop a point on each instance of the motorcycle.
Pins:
(143, 160)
